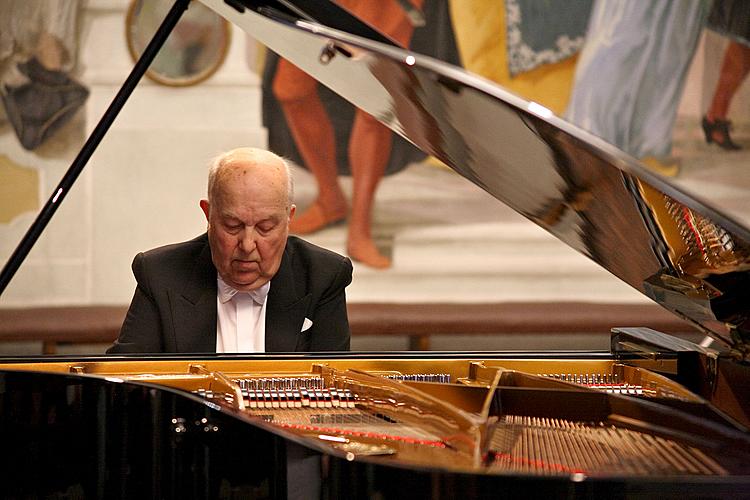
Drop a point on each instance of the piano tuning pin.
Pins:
(179, 425)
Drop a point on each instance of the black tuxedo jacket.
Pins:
(174, 306)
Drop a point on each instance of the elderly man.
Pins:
(246, 285)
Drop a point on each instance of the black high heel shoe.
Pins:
(722, 127)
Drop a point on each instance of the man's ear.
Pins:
(292, 210)
(204, 207)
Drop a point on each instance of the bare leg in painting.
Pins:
(734, 70)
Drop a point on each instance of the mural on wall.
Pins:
(536, 38)
(326, 135)
(617, 69)
(38, 52)
(194, 50)
(489, 37)
(631, 74)
(434, 37)
(38, 96)
(478, 34)
(731, 19)
(645, 48)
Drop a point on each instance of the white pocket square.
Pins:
(306, 324)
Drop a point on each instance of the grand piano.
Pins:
(654, 416)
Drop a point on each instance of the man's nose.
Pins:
(247, 239)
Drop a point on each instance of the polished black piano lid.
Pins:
(668, 244)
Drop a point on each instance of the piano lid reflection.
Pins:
(654, 416)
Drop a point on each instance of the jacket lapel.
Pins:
(194, 308)
(286, 311)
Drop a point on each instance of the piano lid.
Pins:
(644, 229)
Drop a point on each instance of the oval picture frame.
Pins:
(193, 52)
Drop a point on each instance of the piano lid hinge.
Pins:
(327, 53)
(330, 50)
(79, 369)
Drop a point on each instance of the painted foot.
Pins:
(316, 218)
(666, 166)
(366, 252)
(717, 131)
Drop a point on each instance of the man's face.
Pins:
(248, 224)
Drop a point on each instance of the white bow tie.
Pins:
(226, 292)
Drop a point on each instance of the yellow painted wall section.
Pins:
(19, 189)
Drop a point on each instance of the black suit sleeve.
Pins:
(330, 329)
(141, 330)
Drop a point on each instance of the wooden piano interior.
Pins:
(587, 416)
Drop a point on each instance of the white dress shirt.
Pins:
(240, 319)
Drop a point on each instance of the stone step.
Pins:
(484, 262)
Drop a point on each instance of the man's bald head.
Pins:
(253, 161)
